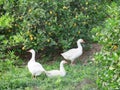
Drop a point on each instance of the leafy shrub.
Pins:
(5, 20)
(9, 62)
(108, 35)
(53, 24)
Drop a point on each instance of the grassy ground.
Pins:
(79, 77)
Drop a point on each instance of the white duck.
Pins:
(74, 53)
(34, 67)
(55, 73)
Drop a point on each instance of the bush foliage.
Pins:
(53, 24)
(108, 35)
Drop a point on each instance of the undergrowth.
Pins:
(78, 77)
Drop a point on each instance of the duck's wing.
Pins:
(69, 53)
(38, 66)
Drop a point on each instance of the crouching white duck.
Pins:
(56, 73)
(34, 67)
(74, 53)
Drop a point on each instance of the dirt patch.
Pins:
(88, 54)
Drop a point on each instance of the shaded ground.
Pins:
(87, 55)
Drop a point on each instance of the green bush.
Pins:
(53, 24)
(108, 35)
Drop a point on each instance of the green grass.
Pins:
(78, 77)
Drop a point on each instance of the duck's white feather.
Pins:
(72, 54)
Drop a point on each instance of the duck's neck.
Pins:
(33, 57)
(62, 68)
(79, 45)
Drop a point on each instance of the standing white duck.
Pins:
(34, 67)
(55, 73)
(74, 53)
